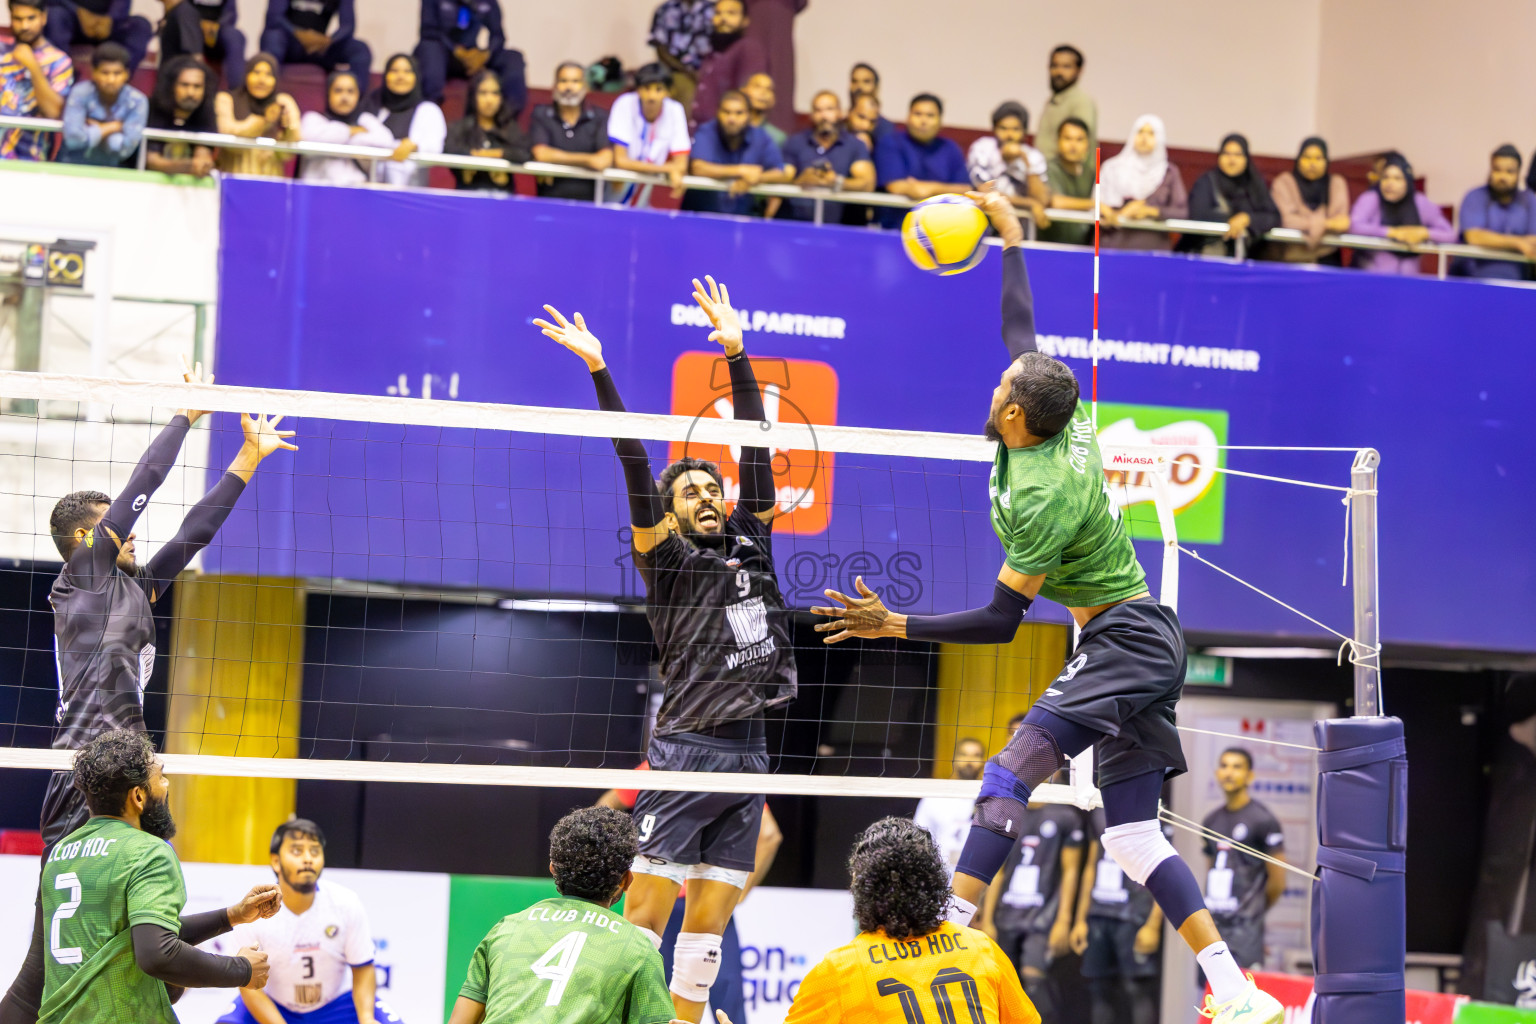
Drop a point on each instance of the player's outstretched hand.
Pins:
(262, 436)
(263, 900)
(259, 967)
(574, 336)
(716, 304)
(193, 374)
(863, 616)
(1005, 220)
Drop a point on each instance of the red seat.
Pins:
(21, 842)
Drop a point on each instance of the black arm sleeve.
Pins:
(644, 501)
(994, 624)
(161, 954)
(202, 522)
(89, 561)
(757, 490)
(1018, 304)
(199, 928)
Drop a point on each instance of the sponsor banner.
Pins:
(1195, 487)
(784, 933)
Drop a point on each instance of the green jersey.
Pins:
(569, 961)
(1051, 508)
(100, 881)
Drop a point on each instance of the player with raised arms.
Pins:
(718, 618)
(103, 622)
(1063, 539)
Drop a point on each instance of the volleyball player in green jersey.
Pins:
(118, 947)
(1063, 539)
(571, 959)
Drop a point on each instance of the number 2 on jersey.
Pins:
(65, 954)
(912, 1010)
(558, 964)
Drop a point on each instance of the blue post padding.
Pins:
(1359, 910)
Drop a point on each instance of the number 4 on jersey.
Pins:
(558, 964)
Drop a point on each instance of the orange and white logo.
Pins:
(794, 391)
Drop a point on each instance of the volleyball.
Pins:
(943, 235)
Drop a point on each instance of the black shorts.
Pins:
(1027, 950)
(1111, 951)
(1123, 680)
(702, 828)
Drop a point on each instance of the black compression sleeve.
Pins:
(199, 928)
(161, 954)
(97, 558)
(644, 501)
(994, 624)
(1018, 304)
(202, 522)
(757, 491)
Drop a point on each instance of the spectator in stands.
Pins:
(1395, 210)
(342, 123)
(1070, 176)
(773, 25)
(35, 76)
(864, 80)
(1005, 158)
(299, 32)
(733, 58)
(1139, 183)
(416, 122)
(1311, 200)
(680, 31)
(488, 128)
(206, 29)
(91, 22)
(826, 156)
(649, 132)
(730, 148)
(762, 98)
(1379, 164)
(1232, 191)
(451, 47)
(1499, 215)
(182, 102)
(919, 163)
(1067, 100)
(256, 110)
(104, 118)
(863, 119)
(569, 131)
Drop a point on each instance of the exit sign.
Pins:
(1205, 670)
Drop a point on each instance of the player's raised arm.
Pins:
(757, 490)
(645, 511)
(867, 617)
(1018, 303)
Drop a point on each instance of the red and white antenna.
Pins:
(1093, 346)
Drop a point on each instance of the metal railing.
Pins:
(819, 196)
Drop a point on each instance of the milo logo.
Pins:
(1191, 439)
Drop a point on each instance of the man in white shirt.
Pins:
(319, 944)
(948, 819)
(1016, 168)
(649, 132)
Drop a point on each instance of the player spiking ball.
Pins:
(1063, 539)
(718, 618)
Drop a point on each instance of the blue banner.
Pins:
(431, 295)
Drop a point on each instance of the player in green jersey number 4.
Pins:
(1063, 540)
(571, 959)
(118, 947)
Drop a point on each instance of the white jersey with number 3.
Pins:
(312, 954)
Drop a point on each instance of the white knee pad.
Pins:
(695, 965)
(660, 866)
(1138, 847)
(710, 873)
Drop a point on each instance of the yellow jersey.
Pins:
(950, 976)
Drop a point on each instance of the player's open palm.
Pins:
(193, 374)
(573, 334)
(715, 301)
(259, 966)
(862, 616)
(262, 435)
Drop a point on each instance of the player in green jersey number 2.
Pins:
(1063, 540)
(571, 959)
(118, 947)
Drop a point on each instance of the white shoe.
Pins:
(1251, 1006)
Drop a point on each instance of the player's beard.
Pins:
(156, 819)
(303, 887)
(992, 433)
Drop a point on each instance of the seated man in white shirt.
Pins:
(649, 132)
(1017, 167)
(319, 944)
(944, 817)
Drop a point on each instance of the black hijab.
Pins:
(245, 103)
(1245, 192)
(351, 118)
(1405, 210)
(395, 108)
(1313, 193)
(163, 112)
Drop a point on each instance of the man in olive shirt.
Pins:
(1067, 100)
(1070, 176)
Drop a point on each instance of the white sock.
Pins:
(1226, 977)
(959, 912)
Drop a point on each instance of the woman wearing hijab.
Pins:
(343, 123)
(1313, 201)
(181, 102)
(416, 123)
(1395, 209)
(1233, 192)
(1139, 183)
(256, 110)
(488, 128)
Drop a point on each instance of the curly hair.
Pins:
(110, 766)
(684, 465)
(900, 886)
(75, 510)
(589, 850)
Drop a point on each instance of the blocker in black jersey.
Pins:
(1032, 896)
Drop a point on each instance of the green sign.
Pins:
(1205, 670)
(1488, 1013)
(1198, 492)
